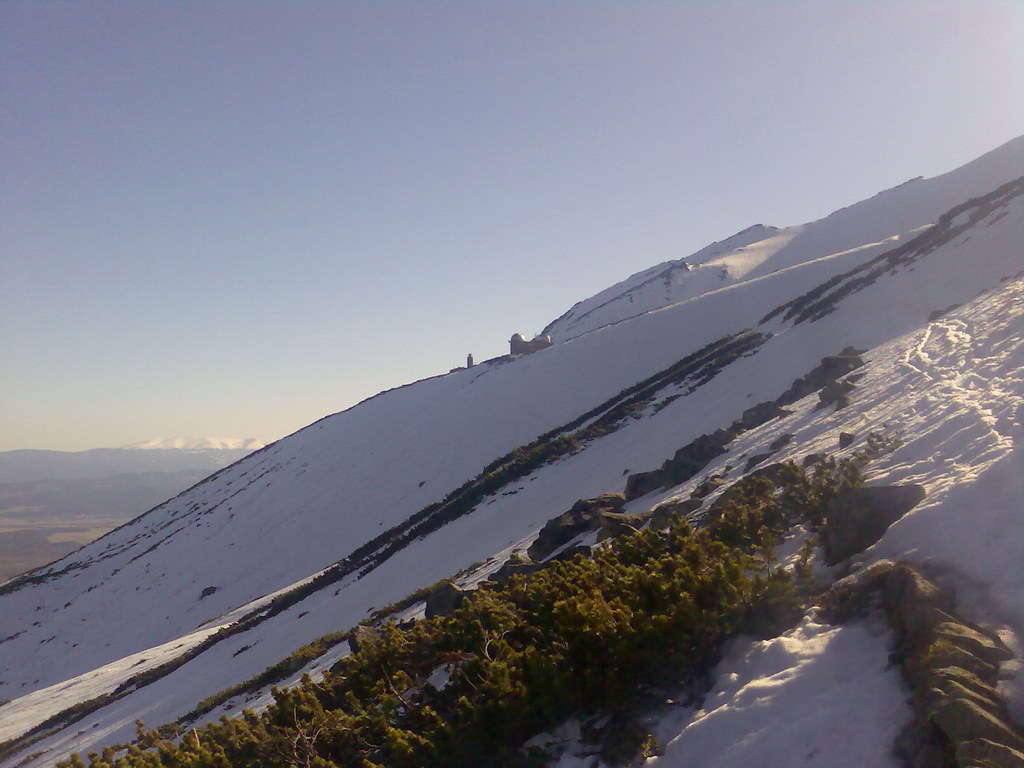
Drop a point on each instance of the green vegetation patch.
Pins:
(580, 637)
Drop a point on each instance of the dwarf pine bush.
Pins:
(579, 637)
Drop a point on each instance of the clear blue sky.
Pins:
(232, 218)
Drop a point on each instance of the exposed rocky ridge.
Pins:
(952, 666)
(888, 210)
(821, 301)
(603, 513)
(693, 457)
(859, 517)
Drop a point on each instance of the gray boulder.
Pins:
(515, 565)
(753, 461)
(915, 605)
(986, 647)
(773, 473)
(835, 392)
(964, 720)
(641, 483)
(706, 486)
(984, 752)
(617, 523)
(664, 514)
(570, 552)
(443, 600)
(761, 413)
(584, 515)
(858, 517)
(811, 459)
(830, 369)
(361, 636)
(693, 457)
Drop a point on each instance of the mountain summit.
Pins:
(760, 250)
(668, 439)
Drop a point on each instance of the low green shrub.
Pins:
(582, 636)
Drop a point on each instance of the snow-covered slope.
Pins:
(214, 578)
(710, 268)
(953, 392)
(879, 222)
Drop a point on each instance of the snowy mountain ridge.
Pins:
(677, 279)
(311, 534)
(758, 250)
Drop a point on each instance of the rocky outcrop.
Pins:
(696, 455)
(612, 524)
(641, 483)
(759, 414)
(753, 461)
(687, 462)
(937, 313)
(665, 514)
(812, 459)
(773, 473)
(985, 753)
(961, 720)
(706, 486)
(361, 636)
(444, 599)
(693, 457)
(858, 517)
(835, 393)
(516, 564)
(584, 515)
(828, 370)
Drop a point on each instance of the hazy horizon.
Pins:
(234, 219)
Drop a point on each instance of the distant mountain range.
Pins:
(52, 502)
(172, 454)
(198, 444)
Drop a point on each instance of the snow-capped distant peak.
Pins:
(198, 444)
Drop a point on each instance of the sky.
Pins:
(233, 218)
